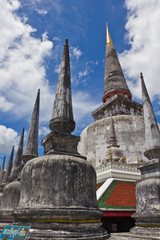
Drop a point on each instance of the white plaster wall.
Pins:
(130, 136)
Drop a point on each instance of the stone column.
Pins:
(147, 214)
(148, 188)
(58, 190)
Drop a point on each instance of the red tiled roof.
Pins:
(119, 195)
(122, 195)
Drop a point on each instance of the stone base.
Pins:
(138, 233)
(152, 232)
(6, 218)
(58, 199)
(76, 234)
(62, 223)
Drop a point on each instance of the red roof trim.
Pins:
(115, 92)
(118, 213)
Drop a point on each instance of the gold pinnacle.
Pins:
(108, 37)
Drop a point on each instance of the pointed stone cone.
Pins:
(31, 148)
(2, 171)
(112, 135)
(9, 167)
(114, 80)
(62, 115)
(152, 132)
(17, 160)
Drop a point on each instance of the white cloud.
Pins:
(83, 105)
(22, 70)
(76, 52)
(8, 138)
(92, 63)
(57, 68)
(5, 106)
(43, 131)
(143, 34)
(44, 36)
(84, 73)
(56, 39)
(55, 5)
(41, 12)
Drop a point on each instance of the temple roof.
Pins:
(114, 80)
(119, 195)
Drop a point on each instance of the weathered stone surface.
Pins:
(31, 148)
(117, 105)
(148, 195)
(56, 142)
(9, 167)
(130, 136)
(1, 181)
(17, 166)
(62, 171)
(113, 152)
(2, 171)
(148, 188)
(64, 199)
(58, 190)
(144, 234)
(62, 115)
(10, 200)
(152, 132)
(11, 195)
(112, 141)
(114, 80)
(147, 214)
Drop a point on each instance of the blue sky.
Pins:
(31, 45)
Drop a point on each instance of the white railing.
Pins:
(117, 166)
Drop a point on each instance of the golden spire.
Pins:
(108, 37)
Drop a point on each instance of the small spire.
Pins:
(152, 132)
(112, 135)
(108, 37)
(31, 148)
(17, 160)
(62, 114)
(2, 171)
(9, 167)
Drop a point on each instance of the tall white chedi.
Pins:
(58, 190)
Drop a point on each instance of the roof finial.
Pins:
(9, 167)
(108, 37)
(31, 148)
(62, 114)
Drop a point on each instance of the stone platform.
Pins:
(138, 233)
